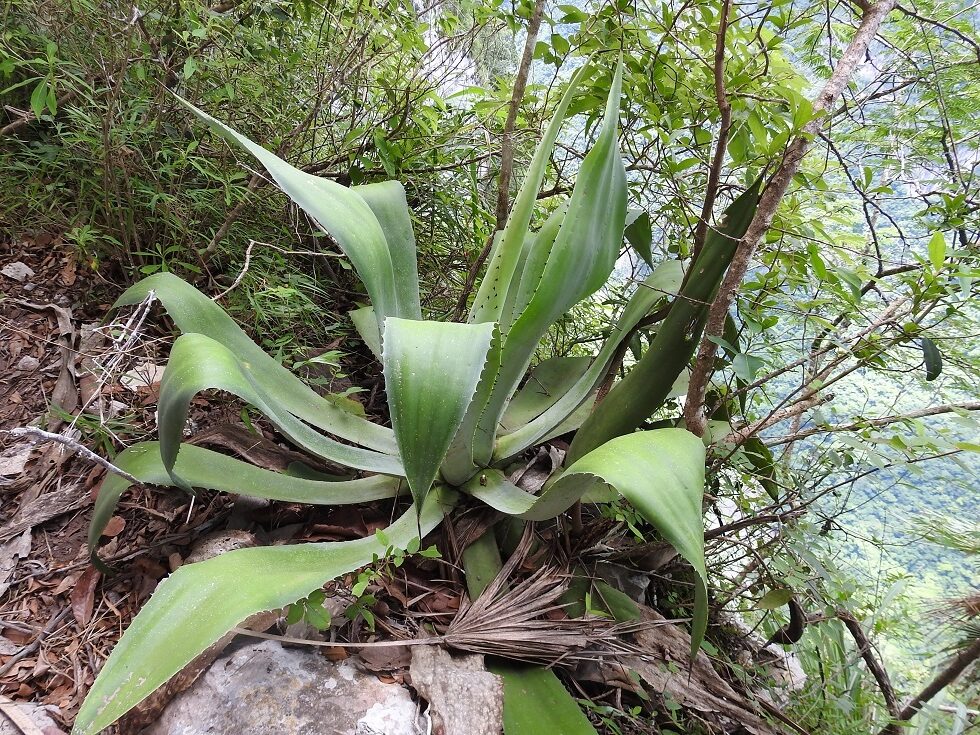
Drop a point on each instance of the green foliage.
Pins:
(447, 385)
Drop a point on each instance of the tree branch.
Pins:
(877, 423)
(725, 108)
(768, 203)
(873, 664)
(506, 154)
(946, 677)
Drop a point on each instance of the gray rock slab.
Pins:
(265, 689)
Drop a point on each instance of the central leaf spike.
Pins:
(432, 370)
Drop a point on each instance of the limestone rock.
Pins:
(464, 698)
(265, 689)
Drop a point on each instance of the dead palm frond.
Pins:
(516, 620)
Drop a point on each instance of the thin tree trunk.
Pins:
(506, 154)
(872, 19)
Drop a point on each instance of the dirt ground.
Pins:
(59, 617)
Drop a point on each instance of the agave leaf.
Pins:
(348, 218)
(635, 398)
(666, 279)
(489, 302)
(536, 702)
(459, 464)
(201, 467)
(546, 383)
(192, 311)
(199, 603)
(432, 371)
(366, 324)
(537, 249)
(660, 472)
(387, 200)
(198, 363)
(579, 262)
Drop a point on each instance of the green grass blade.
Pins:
(199, 363)
(339, 211)
(432, 371)
(203, 468)
(192, 311)
(660, 472)
(536, 702)
(201, 602)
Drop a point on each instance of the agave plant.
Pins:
(459, 404)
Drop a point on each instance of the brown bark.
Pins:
(946, 677)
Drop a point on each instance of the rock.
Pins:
(17, 271)
(14, 458)
(463, 696)
(19, 717)
(265, 689)
(28, 363)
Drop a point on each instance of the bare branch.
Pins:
(74, 447)
(725, 108)
(879, 422)
(945, 677)
(874, 666)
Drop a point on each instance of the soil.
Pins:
(60, 617)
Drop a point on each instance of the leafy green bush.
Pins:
(458, 411)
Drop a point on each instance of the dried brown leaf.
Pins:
(83, 595)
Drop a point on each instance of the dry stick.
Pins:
(36, 643)
(874, 666)
(876, 423)
(27, 119)
(946, 677)
(74, 447)
(740, 436)
(725, 108)
(769, 202)
(506, 154)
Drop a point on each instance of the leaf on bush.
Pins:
(932, 357)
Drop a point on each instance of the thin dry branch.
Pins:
(73, 446)
(878, 422)
(725, 108)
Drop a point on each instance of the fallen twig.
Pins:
(72, 445)
(36, 643)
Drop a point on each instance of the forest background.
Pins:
(851, 356)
